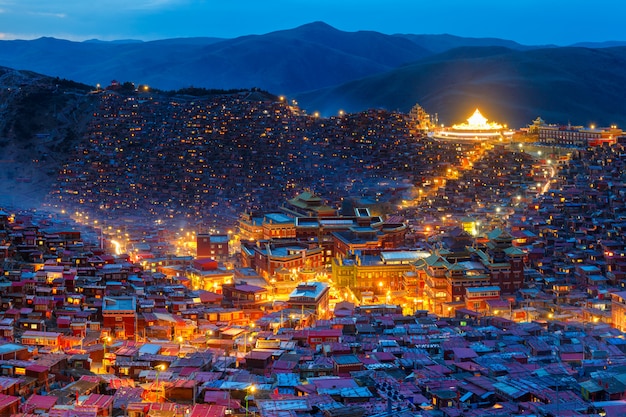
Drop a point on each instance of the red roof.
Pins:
(40, 402)
(324, 332)
(7, 401)
(216, 397)
(90, 378)
(210, 297)
(184, 383)
(335, 383)
(37, 368)
(188, 370)
(259, 354)
(64, 320)
(98, 400)
(208, 410)
(572, 356)
(249, 288)
(206, 264)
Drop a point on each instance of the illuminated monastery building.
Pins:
(452, 277)
(306, 220)
(578, 136)
(477, 128)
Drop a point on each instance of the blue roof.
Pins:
(149, 349)
(119, 303)
(481, 289)
(279, 218)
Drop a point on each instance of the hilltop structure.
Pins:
(477, 128)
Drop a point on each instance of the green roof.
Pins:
(514, 250)
(436, 260)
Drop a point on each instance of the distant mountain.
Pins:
(117, 41)
(607, 44)
(440, 43)
(308, 57)
(580, 85)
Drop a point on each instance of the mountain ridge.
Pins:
(328, 70)
(285, 61)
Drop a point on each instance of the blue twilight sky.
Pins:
(560, 22)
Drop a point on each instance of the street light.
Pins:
(104, 352)
(251, 390)
(158, 368)
(180, 346)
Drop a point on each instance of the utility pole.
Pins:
(557, 398)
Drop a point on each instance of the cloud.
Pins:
(49, 14)
(9, 36)
(154, 4)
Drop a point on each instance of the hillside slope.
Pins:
(41, 121)
(559, 84)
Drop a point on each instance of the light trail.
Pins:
(118, 247)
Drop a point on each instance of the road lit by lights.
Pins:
(118, 247)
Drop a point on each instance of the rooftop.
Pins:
(111, 304)
(311, 289)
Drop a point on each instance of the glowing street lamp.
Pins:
(159, 369)
(180, 345)
(250, 394)
(104, 352)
